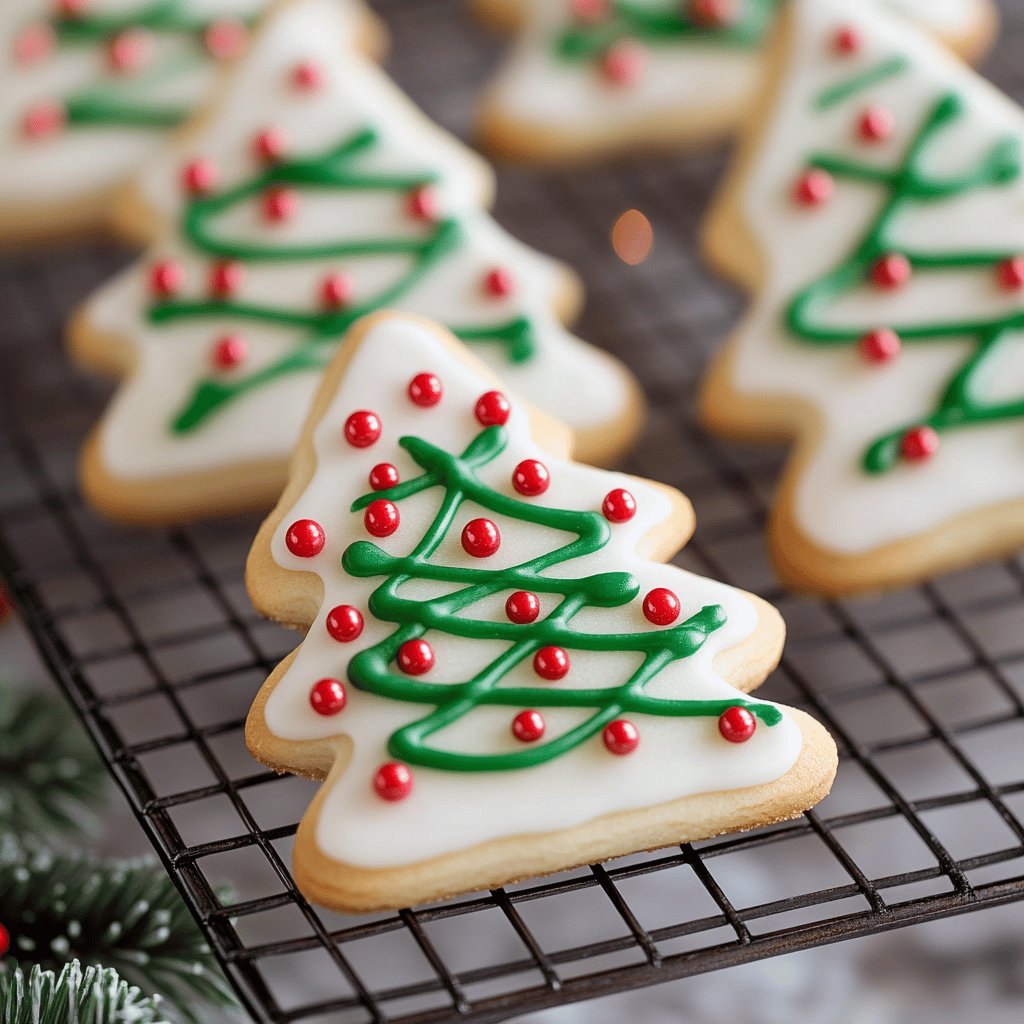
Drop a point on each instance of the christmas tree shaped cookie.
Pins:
(89, 88)
(877, 215)
(594, 77)
(311, 194)
(500, 678)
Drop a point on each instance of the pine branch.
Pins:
(127, 916)
(51, 780)
(75, 996)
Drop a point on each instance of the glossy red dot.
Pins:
(383, 476)
(35, 43)
(225, 39)
(919, 444)
(425, 389)
(328, 697)
(229, 352)
(166, 277)
(492, 409)
(876, 124)
(199, 176)
(5, 940)
(662, 607)
(619, 506)
(363, 428)
(271, 144)
(393, 782)
(305, 538)
(280, 204)
(499, 283)
(892, 271)
(621, 737)
(44, 119)
(522, 607)
(880, 346)
(344, 623)
(528, 726)
(130, 51)
(72, 8)
(589, 11)
(226, 278)
(847, 40)
(551, 663)
(381, 518)
(814, 188)
(531, 478)
(481, 538)
(337, 290)
(624, 63)
(415, 657)
(714, 13)
(308, 75)
(423, 203)
(737, 725)
(1010, 273)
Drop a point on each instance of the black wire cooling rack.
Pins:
(152, 638)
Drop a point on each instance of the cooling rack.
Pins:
(151, 637)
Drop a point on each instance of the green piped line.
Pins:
(837, 94)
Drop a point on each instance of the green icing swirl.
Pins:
(463, 587)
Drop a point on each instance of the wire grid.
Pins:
(152, 638)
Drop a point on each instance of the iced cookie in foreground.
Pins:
(89, 89)
(876, 215)
(500, 678)
(592, 78)
(311, 193)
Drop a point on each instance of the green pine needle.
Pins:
(51, 780)
(94, 995)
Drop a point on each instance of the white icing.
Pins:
(449, 811)
(87, 161)
(837, 504)
(172, 359)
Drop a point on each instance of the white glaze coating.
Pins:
(136, 440)
(837, 504)
(450, 811)
(85, 161)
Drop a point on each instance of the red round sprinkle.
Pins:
(305, 538)
(737, 725)
(876, 124)
(880, 346)
(1011, 273)
(35, 43)
(814, 188)
(225, 39)
(280, 204)
(624, 63)
(499, 283)
(344, 623)
(528, 726)
(422, 203)
(919, 444)
(425, 389)
(662, 607)
(381, 518)
(46, 118)
(226, 278)
(621, 737)
(166, 277)
(714, 13)
(619, 506)
(328, 697)
(5, 940)
(72, 8)
(551, 663)
(480, 538)
(271, 144)
(492, 409)
(393, 782)
(531, 478)
(847, 40)
(522, 607)
(383, 476)
(229, 352)
(199, 176)
(415, 657)
(308, 75)
(130, 50)
(363, 428)
(337, 290)
(589, 11)
(891, 271)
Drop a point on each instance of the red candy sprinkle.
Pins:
(225, 39)
(847, 40)
(46, 118)
(662, 607)
(528, 726)
(492, 409)
(72, 8)
(328, 697)
(383, 476)
(919, 444)
(337, 290)
(130, 50)
(415, 657)
(621, 737)
(880, 346)
(280, 204)
(737, 725)
(1011, 273)
(381, 518)
(522, 607)
(551, 663)
(166, 277)
(393, 782)
(199, 176)
(714, 13)
(876, 124)
(344, 623)
(226, 278)
(619, 506)
(363, 428)
(425, 390)
(229, 352)
(814, 188)
(5, 940)
(531, 478)
(305, 538)
(422, 203)
(271, 144)
(499, 283)
(891, 271)
(480, 538)
(589, 11)
(624, 63)
(308, 75)
(35, 43)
